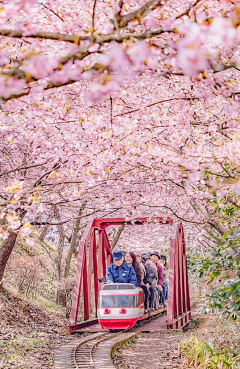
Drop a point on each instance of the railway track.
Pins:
(93, 351)
(85, 353)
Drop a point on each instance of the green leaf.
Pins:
(238, 261)
(224, 236)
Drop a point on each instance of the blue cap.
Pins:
(117, 255)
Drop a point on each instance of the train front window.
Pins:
(117, 301)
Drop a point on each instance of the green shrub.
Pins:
(198, 353)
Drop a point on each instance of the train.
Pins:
(120, 306)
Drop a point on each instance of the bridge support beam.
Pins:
(179, 312)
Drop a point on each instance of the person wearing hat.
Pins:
(148, 277)
(119, 271)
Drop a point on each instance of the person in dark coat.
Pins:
(119, 271)
(148, 279)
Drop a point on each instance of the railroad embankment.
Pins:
(30, 332)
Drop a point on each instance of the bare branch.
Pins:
(218, 174)
(43, 233)
(22, 168)
(50, 85)
(75, 232)
(111, 111)
(56, 166)
(137, 14)
(174, 213)
(117, 236)
(188, 9)
(50, 10)
(44, 246)
(143, 10)
(93, 15)
(42, 34)
(158, 102)
(20, 74)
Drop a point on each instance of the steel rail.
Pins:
(83, 351)
(80, 353)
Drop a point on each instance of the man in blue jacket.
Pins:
(120, 271)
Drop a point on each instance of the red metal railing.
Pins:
(178, 310)
(95, 255)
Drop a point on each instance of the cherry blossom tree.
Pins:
(121, 108)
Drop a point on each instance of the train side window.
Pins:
(137, 300)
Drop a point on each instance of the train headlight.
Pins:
(107, 311)
(122, 311)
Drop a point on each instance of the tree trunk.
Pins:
(73, 240)
(211, 222)
(117, 236)
(217, 226)
(8, 245)
(5, 253)
(58, 259)
(61, 296)
(43, 233)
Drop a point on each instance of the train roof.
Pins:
(119, 286)
(120, 289)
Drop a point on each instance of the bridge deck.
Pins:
(155, 324)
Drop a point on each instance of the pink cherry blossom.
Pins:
(221, 32)
(10, 86)
(133, 119)
(191, 56)
(40, 65)
(26, 229)
(93, 48)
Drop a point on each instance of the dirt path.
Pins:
(160, 350)
(151, 350)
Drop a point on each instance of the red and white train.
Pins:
(120, 306)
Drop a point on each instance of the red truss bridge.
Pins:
(94, 257)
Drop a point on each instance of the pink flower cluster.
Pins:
(4, 57)
(10, 86)
(99, 91)
(190, 57)
(40, 65)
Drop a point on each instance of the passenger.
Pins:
(144, 284)
(142, 267)
(155, 257)
(147, 281)
(154, 304)
(120, 271)
(130, 259)
(163, 261)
